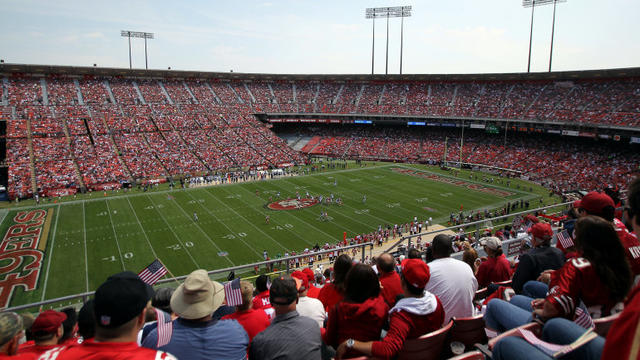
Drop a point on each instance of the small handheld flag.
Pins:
(233, 293)
(152, 273)
(564, 239)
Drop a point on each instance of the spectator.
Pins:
(469, 256)
(313, 290)
(47, 330)
(333, 292)
(86, 321)
(195, 335)
(162, 301)
(418, 313)
(70, 326)
(11, 332)
(252, 320)
(362, 313)
(119, 305)
(496, 267)
(389, 279)
(601, 278)
(452, 280)
(261, 301)
(308, 306)
(290, 336)
(542, 257)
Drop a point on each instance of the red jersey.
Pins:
(329, 296)
(34, 349)
(19, 356)
(313, 291)
(253, 321)
(631, 245)
(261, 300)
(622, 340)
(391, 287)
(92, 350)
(405, 325)
(493, 270)
(577, 281)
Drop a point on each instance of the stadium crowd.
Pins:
(420, 306)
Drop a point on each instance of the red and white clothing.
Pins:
(577, 281)
(261, 301)
(409, 319)
(631, 245)
(91, 350)
(253, 321)
(34, 349)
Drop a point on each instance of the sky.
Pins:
(321, 36)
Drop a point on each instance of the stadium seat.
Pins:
(468, 331)
(602, 325)
(426, 347)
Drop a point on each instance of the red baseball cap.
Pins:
(416, 272)
(299, 275)
(594, 203)
(541, 230)
(48, 322)
(310, 275)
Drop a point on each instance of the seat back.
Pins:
(603, 324)
(468, 331)
(426, 347)
(534, 327)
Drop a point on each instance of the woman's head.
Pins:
(340, 269)
(361, 283)
(598, 242)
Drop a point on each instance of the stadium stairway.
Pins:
(110, 92)
(193, 98)
(67, 137)
(138, 92)
(78, 92)
(32, 165)
(165, 93)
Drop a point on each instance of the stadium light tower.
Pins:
(387, 12)
(138, 34)
(533, 4)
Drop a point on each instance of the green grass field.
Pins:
(91, 239)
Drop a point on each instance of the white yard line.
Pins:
(114, 234)
(202, 231)
(142, 228)
(4, 215)
(84, 233)
(53, 242)
(173, 232)
(247, 221)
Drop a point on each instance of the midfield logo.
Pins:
(292, 204)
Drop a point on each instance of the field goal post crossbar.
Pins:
(85, 296)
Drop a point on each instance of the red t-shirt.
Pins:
(261, 300)
(493, 270)
(91, 350)
(329, 296)
(35, 349)
(404, 325)
(313, 291)
(391, 287)
(624, 334)
(253, 321)
(575, 281)
(361, 322)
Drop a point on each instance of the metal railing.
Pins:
(407, 239)
(85, 296)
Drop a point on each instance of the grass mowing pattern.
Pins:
(90, 240)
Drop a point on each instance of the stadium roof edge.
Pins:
(7, 68)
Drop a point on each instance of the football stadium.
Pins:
(463, 215)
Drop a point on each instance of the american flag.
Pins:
(233, 293)
(564, 239)
(583, 318)
(165, 327)
(152, 273)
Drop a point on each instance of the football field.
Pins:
(71, 247)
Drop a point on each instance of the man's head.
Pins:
(441, 246)
(283, 294)
(10, 332)
(198, 297)
(119, 305)
(414, 254)
(541, 234)
(86, 320)
(492, 245)
(596, 203)
(246, 288)
(386, 263)
(162, 299)
(47, 329)
(262, 283)
(633, 204)
(415, 276)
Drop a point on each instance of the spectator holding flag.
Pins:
(195, 335)
(252, 320)
(600, 280)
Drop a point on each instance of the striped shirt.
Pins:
(290, 336)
